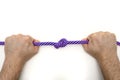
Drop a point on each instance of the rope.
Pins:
(62, 43)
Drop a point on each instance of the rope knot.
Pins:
(61, 43)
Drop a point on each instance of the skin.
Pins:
(102, 46)
(18, 50)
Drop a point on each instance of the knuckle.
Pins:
(27, 38)
(100, 32)
(107, 32)
(113, 35)
(20, 35)
(7, 39)
(93, 35)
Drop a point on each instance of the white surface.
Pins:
(51, 20)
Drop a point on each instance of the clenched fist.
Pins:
(20, 46)
(101, 44)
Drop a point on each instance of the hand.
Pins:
(20, 46)
(101, 44)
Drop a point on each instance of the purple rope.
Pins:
(62, 43)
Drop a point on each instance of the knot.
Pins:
(61, 43)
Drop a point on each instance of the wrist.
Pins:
(107, 57)
(15, 59)
(12, 68)
(110, 67)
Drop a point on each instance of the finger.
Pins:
(85, 45)
(20, 34)
(36, 47)
(90, 38)
(12, 37)
(29, 39)
(34, 40)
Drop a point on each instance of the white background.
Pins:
(51, 20)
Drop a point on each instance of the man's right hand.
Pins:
(101, 44)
